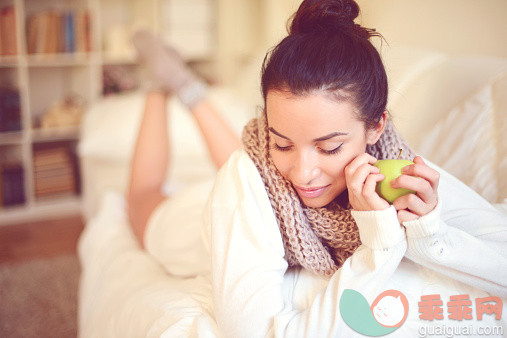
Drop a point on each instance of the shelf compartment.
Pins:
(55, 171)
(57, 27)
(68, 85)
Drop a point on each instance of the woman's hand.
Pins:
(424, 181)
(362, 178)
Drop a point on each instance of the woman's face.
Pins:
(312, 139)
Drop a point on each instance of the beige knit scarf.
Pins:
(319, 239)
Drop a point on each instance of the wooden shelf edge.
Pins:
(40, 210)
(59, 60)
(9, 61)
(12, 138)
(55, 134)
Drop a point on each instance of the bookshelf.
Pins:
(64, 55)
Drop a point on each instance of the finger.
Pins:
(359, 160)
(419, 160)
(420, 169)
(421, 186)
(405, 215)
(356, 182)
(412, 203)
(370, 195)
(363, 171)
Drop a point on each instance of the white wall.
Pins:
(247, 28)
(276, 14)
(453, 26)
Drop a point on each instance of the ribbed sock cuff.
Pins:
(191, 94)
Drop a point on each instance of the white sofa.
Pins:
(453, 110)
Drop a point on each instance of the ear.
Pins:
(372, 135)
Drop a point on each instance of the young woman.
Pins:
(293, 219)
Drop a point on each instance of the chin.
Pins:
(316, 202)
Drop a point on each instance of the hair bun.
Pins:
(318, 16)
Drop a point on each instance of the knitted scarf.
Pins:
(319, 239)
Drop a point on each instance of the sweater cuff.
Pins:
(379, 229)
(426, 225)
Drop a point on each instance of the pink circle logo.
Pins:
(390, 308)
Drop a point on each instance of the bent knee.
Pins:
(140, 206)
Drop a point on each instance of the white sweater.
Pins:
(458, 248)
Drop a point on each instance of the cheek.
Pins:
(334, 168)
(335, 165)
(281, 161)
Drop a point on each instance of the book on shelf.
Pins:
(54, 172)
(10, 110)
(8, 43)
(50, 156)
(68, 32)
(58, 31)
(12, 184)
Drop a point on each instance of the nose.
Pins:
(305, 168)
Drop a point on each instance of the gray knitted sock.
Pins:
(168, 70)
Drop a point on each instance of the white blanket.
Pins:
(125, 292)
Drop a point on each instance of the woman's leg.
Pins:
(149, 163)
(151, 155)
(220, 139)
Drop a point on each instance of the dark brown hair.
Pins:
(326, 50)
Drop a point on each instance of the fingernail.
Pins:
(404, 169)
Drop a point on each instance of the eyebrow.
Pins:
(318, 139)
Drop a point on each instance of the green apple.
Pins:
(391, 169)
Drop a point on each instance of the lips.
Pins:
(311, 192)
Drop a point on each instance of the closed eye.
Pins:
(332, 151)
(277, 147)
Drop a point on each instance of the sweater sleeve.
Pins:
(248, 265)
(464, 237)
